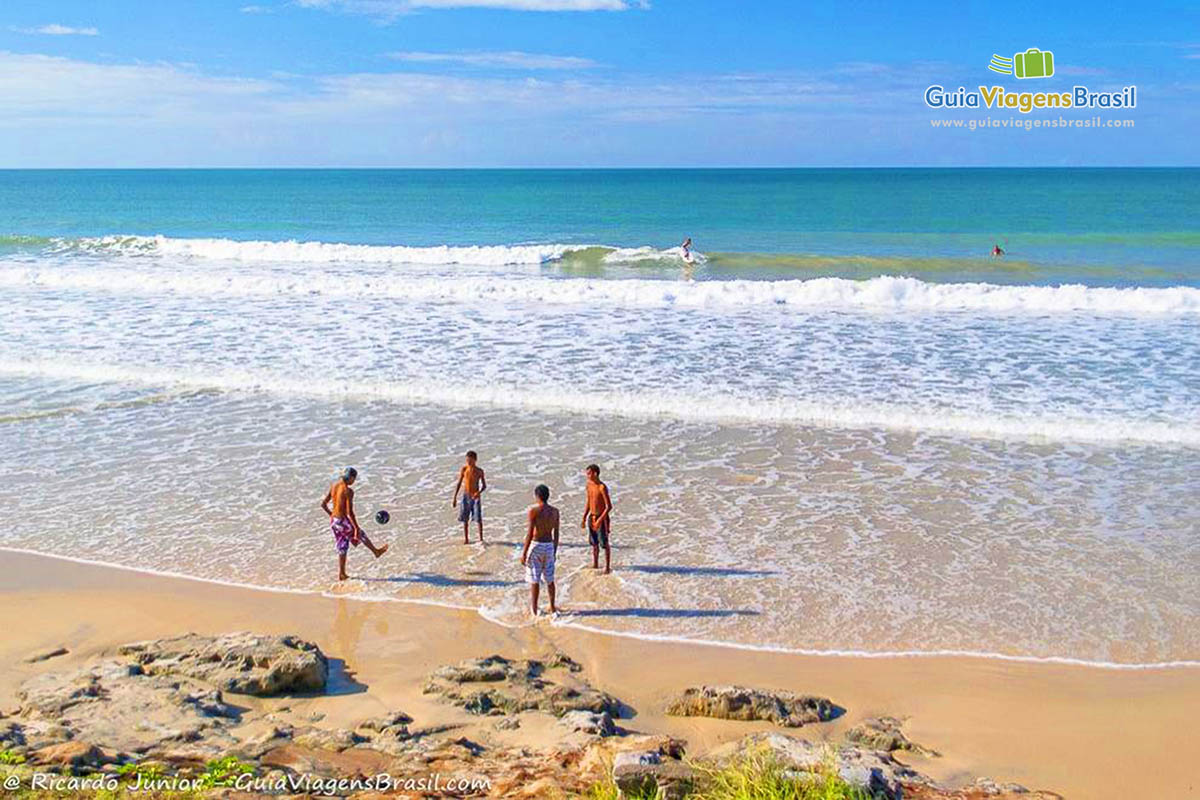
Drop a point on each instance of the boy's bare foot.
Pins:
(383, 548)
(343, 577)
(608, 570)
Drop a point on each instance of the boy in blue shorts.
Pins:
(472, 482)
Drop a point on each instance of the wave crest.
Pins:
(638, 405)
(313, 252)
(891, 294)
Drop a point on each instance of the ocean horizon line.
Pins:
(596, 168)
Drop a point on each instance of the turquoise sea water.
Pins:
(840, 426)
(1115, 227)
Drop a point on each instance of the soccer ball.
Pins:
(382, 517)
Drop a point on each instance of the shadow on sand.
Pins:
(663, 613)
(342, 680)
(561, 545)
(716, 572)
(443, 581)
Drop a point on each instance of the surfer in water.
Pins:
(997, 251)
(686, 249)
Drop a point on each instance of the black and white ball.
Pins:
(382, 517)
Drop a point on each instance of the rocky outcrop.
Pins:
(71, 756)
(119, 706)
(165, 703)
(241, 663)
(983, 789)
(589, 722)
(883, 733)
(46, 655)
(650, 773)
(740, 703)
(497, 686)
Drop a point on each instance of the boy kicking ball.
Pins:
(343, 523)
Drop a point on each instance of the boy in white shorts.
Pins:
(543, 536)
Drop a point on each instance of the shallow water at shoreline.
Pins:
(841, 427)
(753, 535)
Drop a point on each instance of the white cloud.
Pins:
(389, 9)
(42, 86)
(528, 5)
(54, 29)
(69, 112)
(508, 59)
(257, 9)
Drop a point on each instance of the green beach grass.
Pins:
(753, 775)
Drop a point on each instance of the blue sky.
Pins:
(572, 82)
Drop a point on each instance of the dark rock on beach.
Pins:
(650, 773)
(589, 722)
(982, 789)
(496, 685)
(46, 655)
(72, 756)
(883, 733)
(118, 705)
(164, 702)
(241, 663)
(787, 709)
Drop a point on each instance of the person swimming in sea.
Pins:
(997, 251)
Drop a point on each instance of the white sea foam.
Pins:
(317, 252)
(312, 252)
(892, 294)
(626, 255)
(680, 405)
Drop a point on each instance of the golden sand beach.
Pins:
(1083, 732)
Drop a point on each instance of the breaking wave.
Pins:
(679, 405)
(886, 293)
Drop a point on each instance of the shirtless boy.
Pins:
(472, 482)
(596, 518)
(343, 523)
(543, 535)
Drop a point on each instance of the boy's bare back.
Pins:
(544, 520)
(342, 496)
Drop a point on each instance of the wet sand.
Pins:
(1084, 732)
